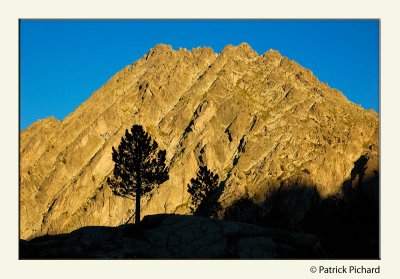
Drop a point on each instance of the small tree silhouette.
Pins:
(139, 166)
(203, 190)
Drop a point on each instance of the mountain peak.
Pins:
(242, 50)
(272, 53)
(260, 123)
(245, 46)
(159, 50)
(161, 47)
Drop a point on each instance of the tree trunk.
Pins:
(138, 188)
(137, 213)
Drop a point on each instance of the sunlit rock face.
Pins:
(259, 121)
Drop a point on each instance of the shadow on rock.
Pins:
(346, 223)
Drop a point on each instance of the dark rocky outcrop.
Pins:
(174, 236)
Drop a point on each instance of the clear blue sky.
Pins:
(62, 62)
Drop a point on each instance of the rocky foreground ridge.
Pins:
(262, 122)
(174, 236)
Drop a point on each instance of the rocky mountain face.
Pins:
(261, 122)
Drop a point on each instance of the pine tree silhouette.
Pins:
(139, 166)
(204, 193)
